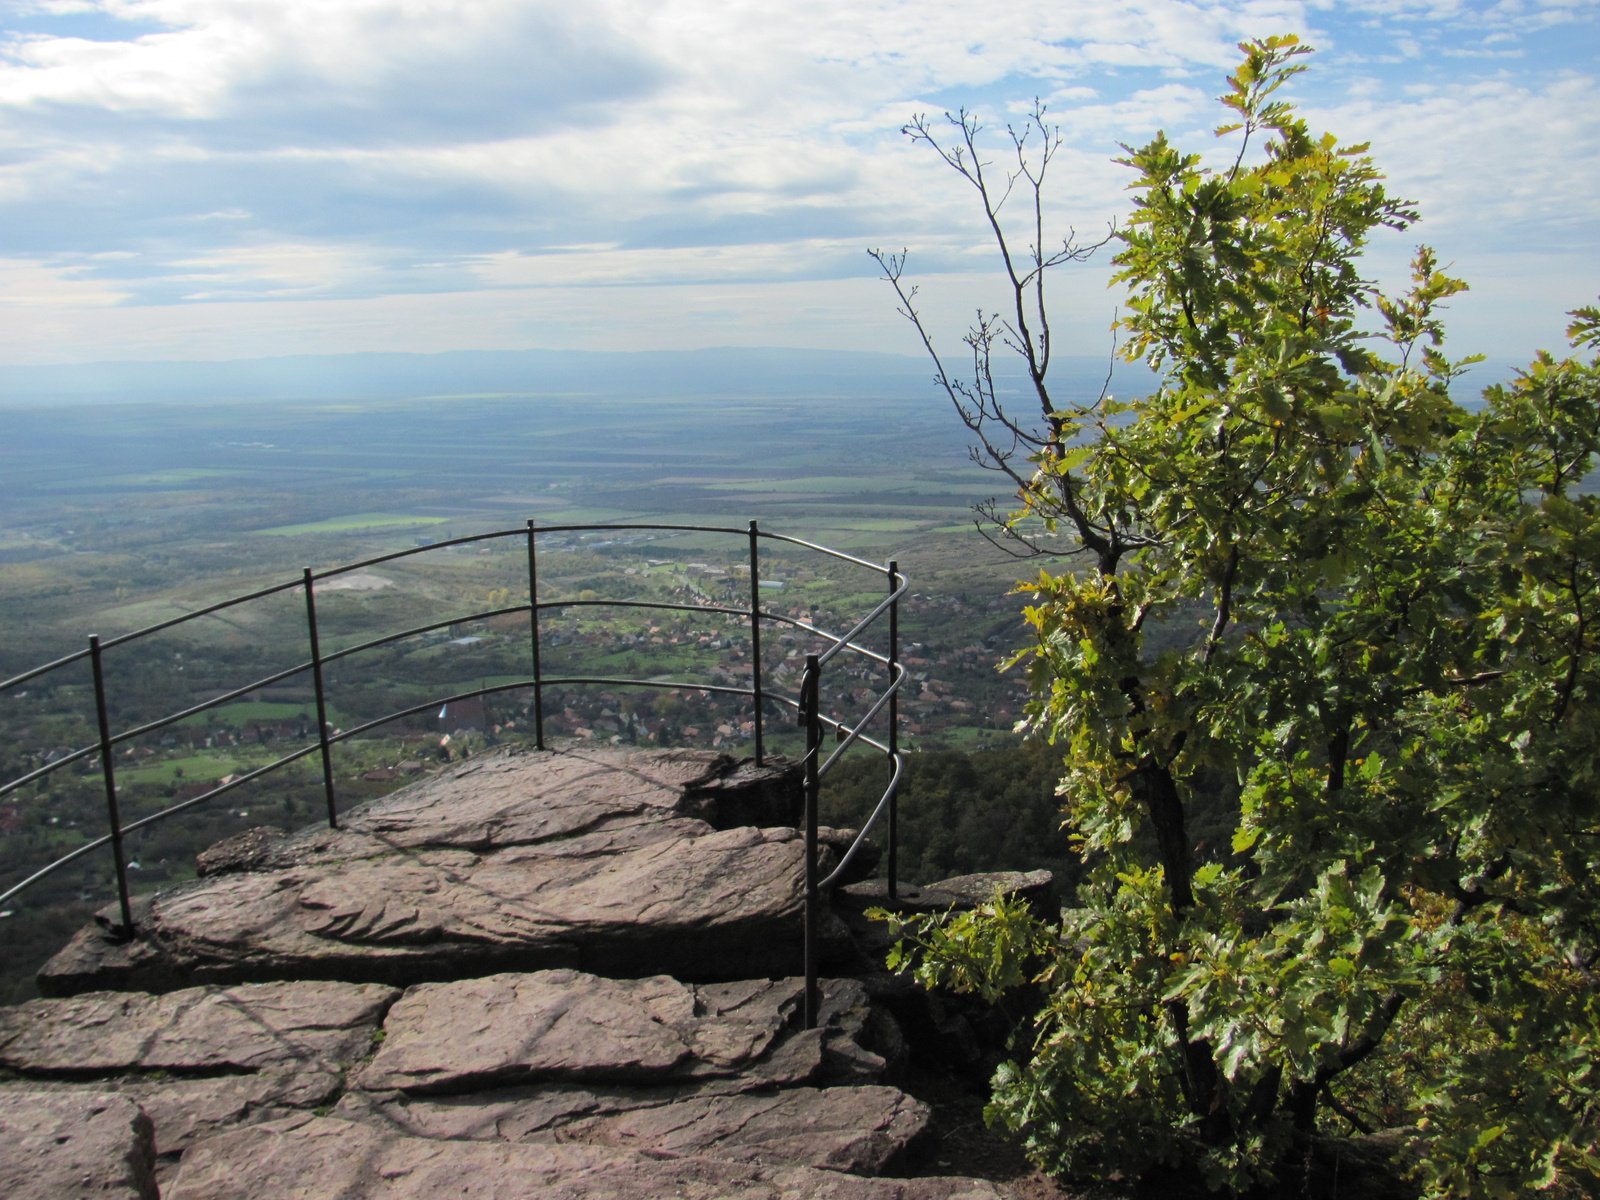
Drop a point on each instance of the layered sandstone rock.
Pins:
(329, 1157)
(598, 950)
(861, 1130)
(571, 1026)
(214, 1031)
(587, 859)
(61, 1145)
(196, 1061)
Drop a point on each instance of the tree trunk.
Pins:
(1154, 787)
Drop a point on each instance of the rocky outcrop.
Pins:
(555, 1056)
(60, 1145)
(719, 1070)
(598, 949)
(247, 851)
(329, 1157)
(583, 859)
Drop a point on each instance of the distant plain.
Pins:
(117, 514)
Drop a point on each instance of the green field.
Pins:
(195, 768)
(254, 711)
(352, 523)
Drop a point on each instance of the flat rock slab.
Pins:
(593, 859)
(861, 1130)
(570, 1026)
(195, 1031)
(520, 799)
(184, 1110)
(67, 1146)
(1038, 888)
(327, 1157)
(962, 892)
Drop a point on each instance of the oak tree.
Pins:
(1315, 587)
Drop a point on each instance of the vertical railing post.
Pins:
(755, 632)
(810, 703)
(894, 732)
(322, 702)
(533, 634)
(108, 770)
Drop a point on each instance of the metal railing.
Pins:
(807, 704)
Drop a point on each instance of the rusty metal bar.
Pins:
(322, 703)
(755, 633)
(810, 694)
(109, 772)
(891, 869)
(533, 638)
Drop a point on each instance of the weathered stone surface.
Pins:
(213, 1031)
(748, 795)
(863, 1130)
(327, 1157)
(854, 1035)
(579, 858)
(247, 851)
(66, 1145)
(874, 893)
(184, 1110)
(1038, 888)
(526, 799)
(599, 943)
(531, 1112)
(568, 1025)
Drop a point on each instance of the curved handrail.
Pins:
(891, 598)
(840, 643)
(756, 613)
(866, 826)
(839, 554)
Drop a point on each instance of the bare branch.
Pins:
(1026, 331)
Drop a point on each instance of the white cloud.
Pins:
(277, 270)
(1497, 164)
(850, 314)
(366, 151)
(25, 283)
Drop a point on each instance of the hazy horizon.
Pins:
(199, 179)
(787, 372)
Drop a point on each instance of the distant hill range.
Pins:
(754, 373)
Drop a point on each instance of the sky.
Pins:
(214, 179)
